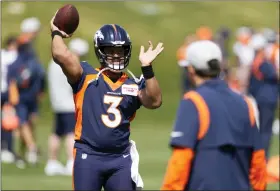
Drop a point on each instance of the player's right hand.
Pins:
(54, 28)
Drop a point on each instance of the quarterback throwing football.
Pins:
(106, 101)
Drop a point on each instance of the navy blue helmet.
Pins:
(112, 35)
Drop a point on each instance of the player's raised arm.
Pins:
(67, 60)
(150, 96)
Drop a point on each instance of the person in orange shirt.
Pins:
(215, 142)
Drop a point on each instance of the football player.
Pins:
(216, 144)
(106, 101)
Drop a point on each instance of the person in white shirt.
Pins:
(244, 56)
(62, 103)
(8, 56)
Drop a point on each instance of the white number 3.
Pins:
(114, 102)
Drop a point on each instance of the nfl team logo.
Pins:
(84, 156)
(130, 90)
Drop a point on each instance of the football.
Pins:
(67, 19)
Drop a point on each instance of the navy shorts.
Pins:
(25, 111)
(92, 172)
(64, 123)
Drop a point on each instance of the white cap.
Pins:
(257, 41)
(79, 46)
(243, 31)
(199, 53)
(30, 25)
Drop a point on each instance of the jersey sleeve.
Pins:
(78, 85)
(186, 127)
(142, 84)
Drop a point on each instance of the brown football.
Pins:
(67, 19)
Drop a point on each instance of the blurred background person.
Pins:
(264, 88)
(181, 59)
(8, 56)
(272, 47)
(244, 56)
(233, 81)
(222, 38)
(212, 129)
(27, 72)
(30, 28)
(204, 33)
(63, 107)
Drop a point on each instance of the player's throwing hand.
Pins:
(146, 58)
(54, 28)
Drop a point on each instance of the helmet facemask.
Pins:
(114, 57)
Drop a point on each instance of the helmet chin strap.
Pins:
(137, 80)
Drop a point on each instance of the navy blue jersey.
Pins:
(264, 85)
(104, 110)
(26, 71)
(216, 124)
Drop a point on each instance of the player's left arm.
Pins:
(183, 140)
(150, 96)
(13, 92)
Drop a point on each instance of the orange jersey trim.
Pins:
(258, 174)
(178, 170)
(203, 112)
(79, 99)
(251, 111)
(117, 84)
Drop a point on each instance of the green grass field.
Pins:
(170, 25)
